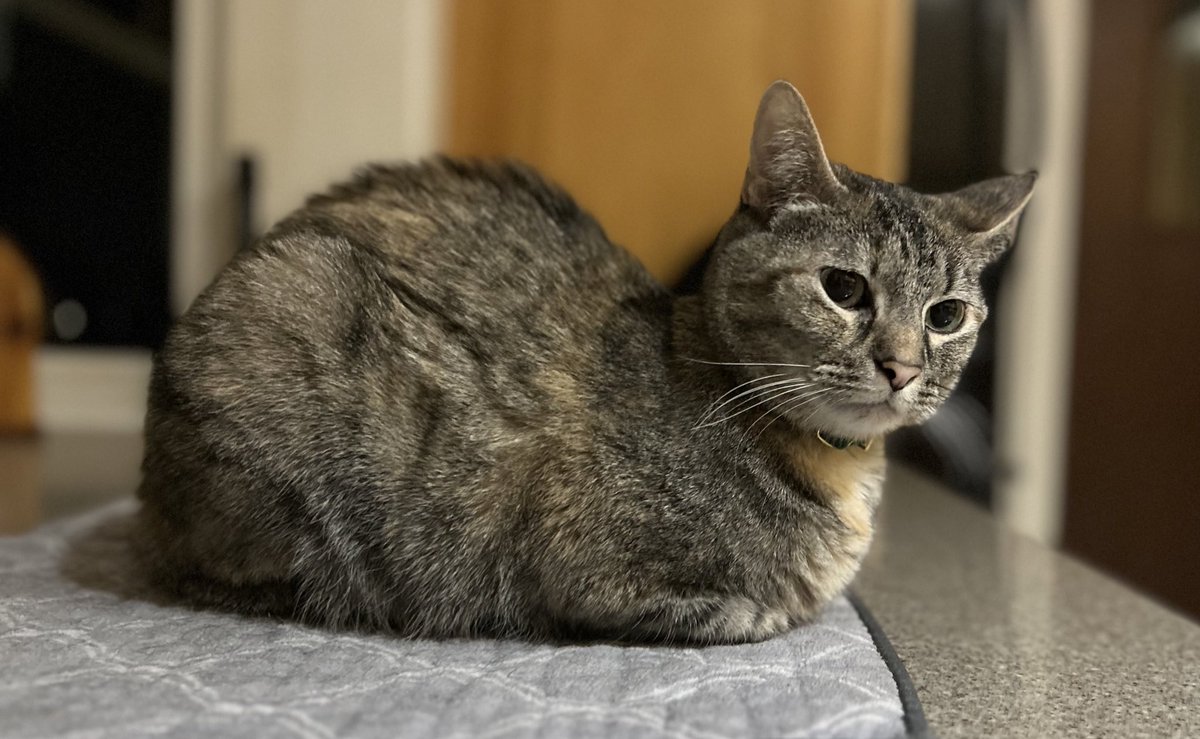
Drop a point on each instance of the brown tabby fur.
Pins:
(437, 400)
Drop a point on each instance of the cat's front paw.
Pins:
(747, 621)
(713, 620)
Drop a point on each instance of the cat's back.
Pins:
(475, 283)
(428, 254)
(488, 230)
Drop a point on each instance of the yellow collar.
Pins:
(837, 442)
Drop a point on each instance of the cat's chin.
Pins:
(859, 420)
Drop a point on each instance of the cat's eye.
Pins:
(946, 316)
(847, 289)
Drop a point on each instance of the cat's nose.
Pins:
(898, 373)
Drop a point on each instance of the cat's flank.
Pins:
(437, 400)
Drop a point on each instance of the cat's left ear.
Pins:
(992, 209)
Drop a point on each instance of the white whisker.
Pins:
(824, 401)
(752, 391)
(837, 396)
(788, 404)
(714, 405)
(757, 401)
(746, 364)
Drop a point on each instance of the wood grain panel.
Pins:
(1135, 416)
(643, 109)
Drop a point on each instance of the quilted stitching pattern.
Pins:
(86, 653)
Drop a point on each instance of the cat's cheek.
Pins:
(949, 353)
(937, 341)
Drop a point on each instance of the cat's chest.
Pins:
(822, 548)
(848, 481)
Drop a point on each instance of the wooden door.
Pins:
(1134, 466)
(643, 109)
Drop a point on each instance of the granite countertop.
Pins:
(1004, 637)
(1001, 636)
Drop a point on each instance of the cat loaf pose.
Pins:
(437, 400)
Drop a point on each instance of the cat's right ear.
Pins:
(991, 209)
(788, 166)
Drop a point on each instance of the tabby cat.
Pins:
(438, 401)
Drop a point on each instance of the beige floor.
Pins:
(57, 475)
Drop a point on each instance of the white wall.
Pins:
(316, 88)
(1036, 328)
(77, 389)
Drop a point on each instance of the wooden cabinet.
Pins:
(643, 110)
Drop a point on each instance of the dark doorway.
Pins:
(958, 137)
(85, 107)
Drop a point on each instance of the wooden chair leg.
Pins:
(21, 321)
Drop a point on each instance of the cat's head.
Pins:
(859, 299)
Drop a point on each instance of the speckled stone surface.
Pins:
(1004, 637)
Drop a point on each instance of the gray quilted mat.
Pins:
(85, 653)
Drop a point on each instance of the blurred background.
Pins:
(143, 142)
